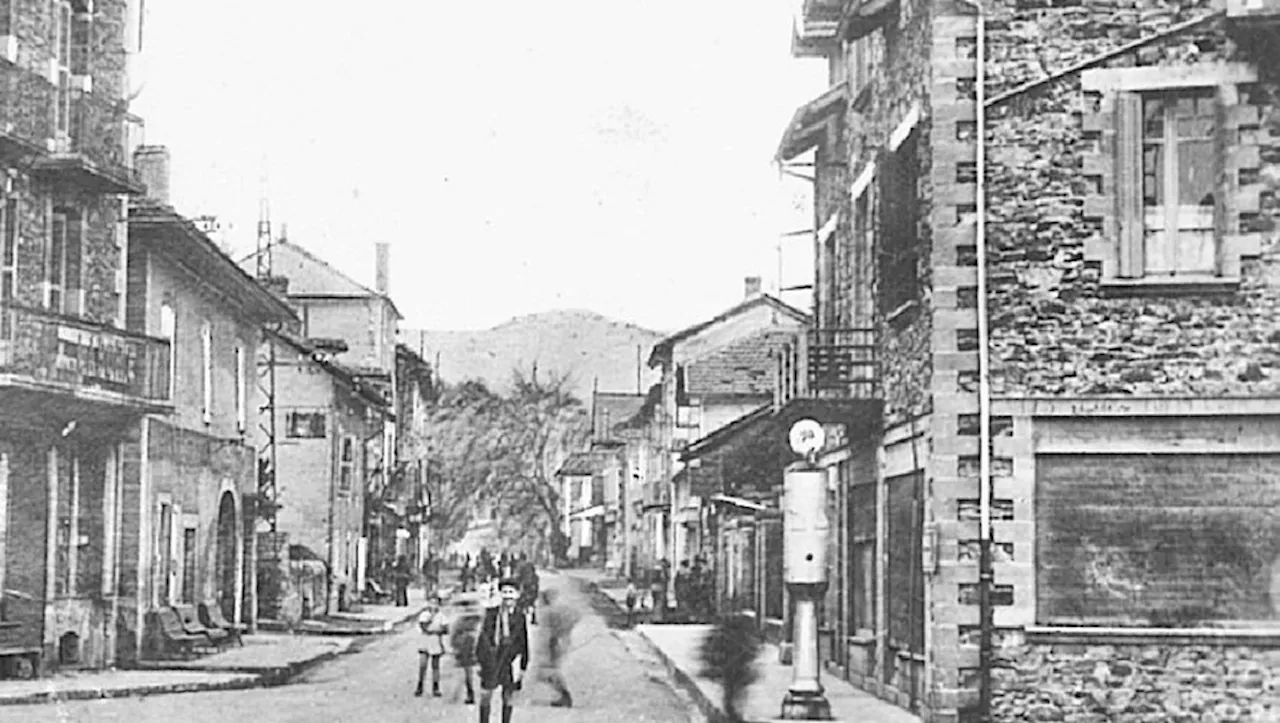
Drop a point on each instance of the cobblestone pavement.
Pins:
(614, 675)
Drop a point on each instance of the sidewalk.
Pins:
(367, 619)
(265, 659)
(678, 645)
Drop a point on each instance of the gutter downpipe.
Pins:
(986, 575)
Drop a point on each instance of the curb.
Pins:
(705, 705)
(104, 694)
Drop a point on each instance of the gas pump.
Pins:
(805, 529)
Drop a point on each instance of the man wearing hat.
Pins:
(502, 645)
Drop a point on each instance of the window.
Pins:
(8, 261)
(899, 215)
(189, 565)
(169, 331)
(62, 264)
(206, 371)
(62, 43)
(1179, 175)
(347, 464)
(164, 556)
(241, 401)
(305, 425)
(862, 558)
(1173, 168)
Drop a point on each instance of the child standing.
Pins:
(434, 624)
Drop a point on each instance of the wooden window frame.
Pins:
(1118, 204)
(8, 262)
(346, 463)
(292, 418)
(169, 331)
(206, 372)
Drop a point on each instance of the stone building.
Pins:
(192, 541)
(1056, 222)
(74, 383)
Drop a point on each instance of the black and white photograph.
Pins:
(647, 361)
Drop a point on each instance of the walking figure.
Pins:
(558, 621)
(528, 576)
(503, 645)
(462, 638)
(633, 598)
(435, 625)
(400, 574)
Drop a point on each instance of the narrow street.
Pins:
(611, 673)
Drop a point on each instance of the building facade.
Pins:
(712, 374)
(1053, 224)
(192, 541)
(74, 383)
(357, 326)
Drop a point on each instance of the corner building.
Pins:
(74, 384)
(1123, 183)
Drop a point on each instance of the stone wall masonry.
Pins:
(1054, 330)
(877, 107)
(1135, 683)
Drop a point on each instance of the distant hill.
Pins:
(582, 343)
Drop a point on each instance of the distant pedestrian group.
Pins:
(489, 638)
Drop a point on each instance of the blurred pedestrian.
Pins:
(435, 625)
(462, 638)
(528, 576)
(658, 590)
(502, 651)
(558, 621)
(728, 655)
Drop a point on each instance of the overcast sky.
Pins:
(518, 156)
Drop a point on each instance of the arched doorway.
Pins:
(226, 559)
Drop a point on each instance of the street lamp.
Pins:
(804, 544)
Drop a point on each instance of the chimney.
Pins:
(752, 286)
(152, 163)
(382, 278)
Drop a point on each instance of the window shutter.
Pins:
(1128, 184)
(1223, 133)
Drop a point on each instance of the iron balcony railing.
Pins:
(66, 129)
(97, 130)
(77, 353)
(829, 364)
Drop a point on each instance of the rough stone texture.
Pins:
(1137, 684)
(878, 106)
(1053, 332)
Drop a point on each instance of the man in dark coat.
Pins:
(503, 645)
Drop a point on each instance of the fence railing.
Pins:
(97, 131)
(829, 364)
(65, 350)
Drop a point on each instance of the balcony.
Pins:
(92, 155)
(55, 369)
(26, 113)
(829, 374)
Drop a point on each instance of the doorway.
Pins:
(225, 563)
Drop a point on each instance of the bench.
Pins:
(168, 626)
(212, 618)
(191, 625)
(375, 593)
